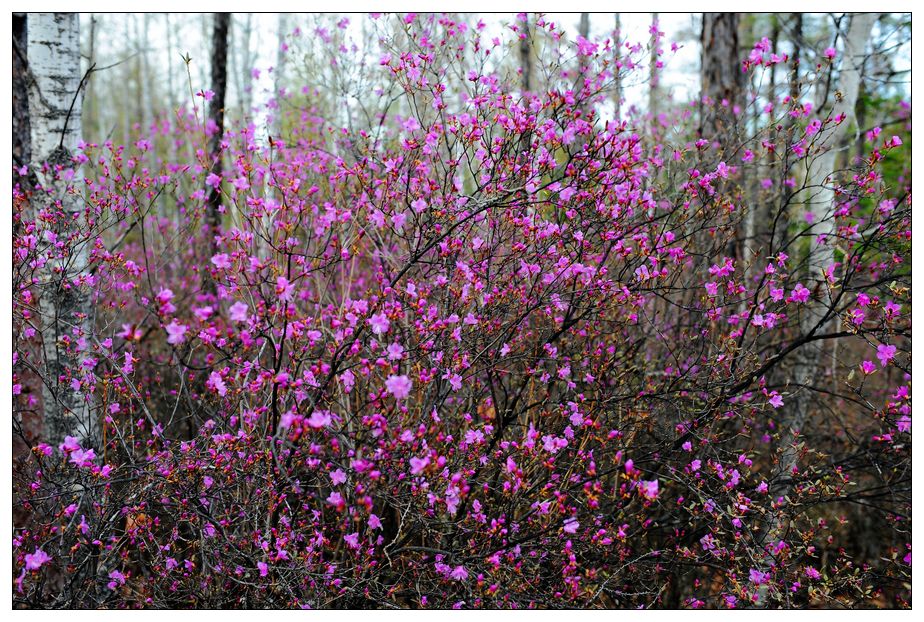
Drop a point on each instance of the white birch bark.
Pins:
(821, 207)
(814, 319)
(54, 60)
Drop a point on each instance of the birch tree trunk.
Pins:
(617, 46)
(65, 301)
(781, 232)
(654, 74)
(818, 317)
(279, 73)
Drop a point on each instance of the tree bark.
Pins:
(654, 74)
(222, 22)
(781, 232)
(65, 301)
(816, 317)
(526, 57)
(617, 73)
(721, 77)
(22, 144)
(279, 74)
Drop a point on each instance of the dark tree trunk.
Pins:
(526, 57)
(217, 109)
(653, 73)
(721, 76)
(22, 144)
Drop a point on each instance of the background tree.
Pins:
(53, 53)
(216, 111)
(720, 75)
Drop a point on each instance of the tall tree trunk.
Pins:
(526, 57)
(279, 73)
(22, 143)
(584, 31)
(65, 301)
(171, 59)
(721, 77)
(617, 73)
(219, 68)
(91, 121)
(248, 62)
(781, 231)
(817, 317)
(654, 74)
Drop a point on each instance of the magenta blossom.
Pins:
(36, 560)
(885, 353)
(398, 386)
(176, 332)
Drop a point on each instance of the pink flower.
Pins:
(164, 296)
(776, 400)
(571, 525)
(176, 333)
(398, 386)
(221, 261)
(830, 53)
(338, 477)
(352, 540)
(284, 289)
(374, 522)
(217, 384)
(336, 500)
(459, 573)
(419, 464)
(868, 367)
(36, 560)
(811, 573)
(758, 577)
(82, 458)
(904, 424)
(395, 352)
(892, 310)
(649, 490)
(319, 419)
(117, 579)
(379, 323)
(70, 444)
(263, 568)
(800, 293)
(885, 353)
(238, 312)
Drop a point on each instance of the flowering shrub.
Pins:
(488, 351)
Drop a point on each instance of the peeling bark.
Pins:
(65, 301)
